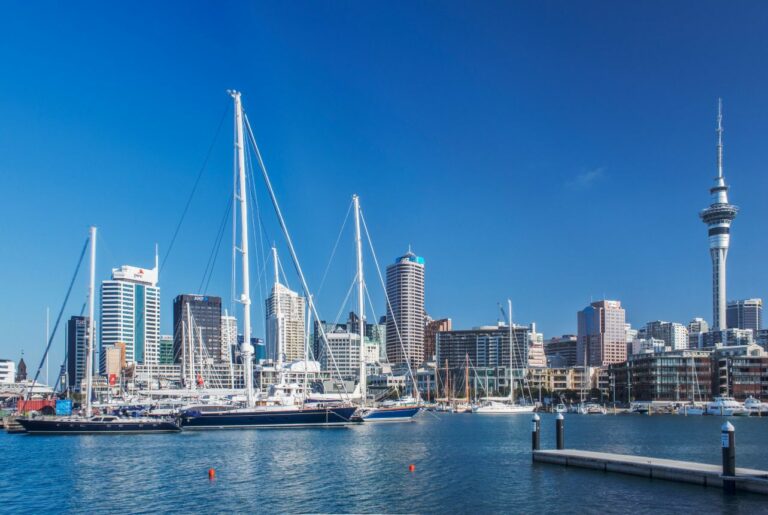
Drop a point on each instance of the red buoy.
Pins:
(411, 467)
(211, 473)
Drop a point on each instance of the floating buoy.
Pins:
(211, 473)
(411, 467)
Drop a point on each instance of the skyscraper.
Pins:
(718, 217)
(203, 314)
(405, 310)
(228, 336)
(602, 334)
(285, 324)
(130, 312)
(745, 314)
(165, 353)
(77, 350)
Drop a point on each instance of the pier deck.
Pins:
(749, 480)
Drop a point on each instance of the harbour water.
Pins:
(463, 463)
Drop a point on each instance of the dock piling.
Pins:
(536, 432)
(728, 440)
(560, 429)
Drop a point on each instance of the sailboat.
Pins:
(88, 424)
(403, 410)
(287, 408)
(505, 405)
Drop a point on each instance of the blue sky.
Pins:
(551, 152)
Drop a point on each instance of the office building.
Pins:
(166, 350)
(728, 338)
(601, 334)
(561, 351)
(285, 324)
(197, 318)
(696, 329)
(78, 328)
(485, 346)
(405, 310)
(718, 217)
(431, 329)
(674, 335)
(745, 314)
(228, 337)
(130, 312)
(7, 371)
(343, 359)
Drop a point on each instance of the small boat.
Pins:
(755, 407)
(690, 409)
(100, 424)
(560, 408)
(502, 408)
(595, 409)
(725, 407)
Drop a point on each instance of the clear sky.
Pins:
(550, 152)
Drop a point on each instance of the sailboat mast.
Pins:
(278, 331)
(360, 298)
(511, 351)
(91, 309)
(246, 348)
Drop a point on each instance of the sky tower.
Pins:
(718, 217)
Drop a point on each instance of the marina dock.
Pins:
(749, 480)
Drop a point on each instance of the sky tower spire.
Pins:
(718, 217)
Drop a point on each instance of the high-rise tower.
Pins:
(405, 310)
(718, 217)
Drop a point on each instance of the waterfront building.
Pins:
(601, 334)
(78, 328)
(696, 329)
(561, 351)
(285, 312)
(203, 314)
(7, 371)
(718, 217)
(130, 312)
(228, 337)
(165, 344)
(682, 376)
(745, 314)
(431, 329)
(488, 350)
(405, 310)
(741, 371)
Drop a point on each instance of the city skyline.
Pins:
(109, 138)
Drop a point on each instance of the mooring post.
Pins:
(559, 424)
(728, 441)
(535, 432)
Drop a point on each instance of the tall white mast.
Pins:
(246, 349)
(511, 351)
(360, 298)
(188, 343)
(91, 309)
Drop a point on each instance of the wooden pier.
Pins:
(748, 480)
